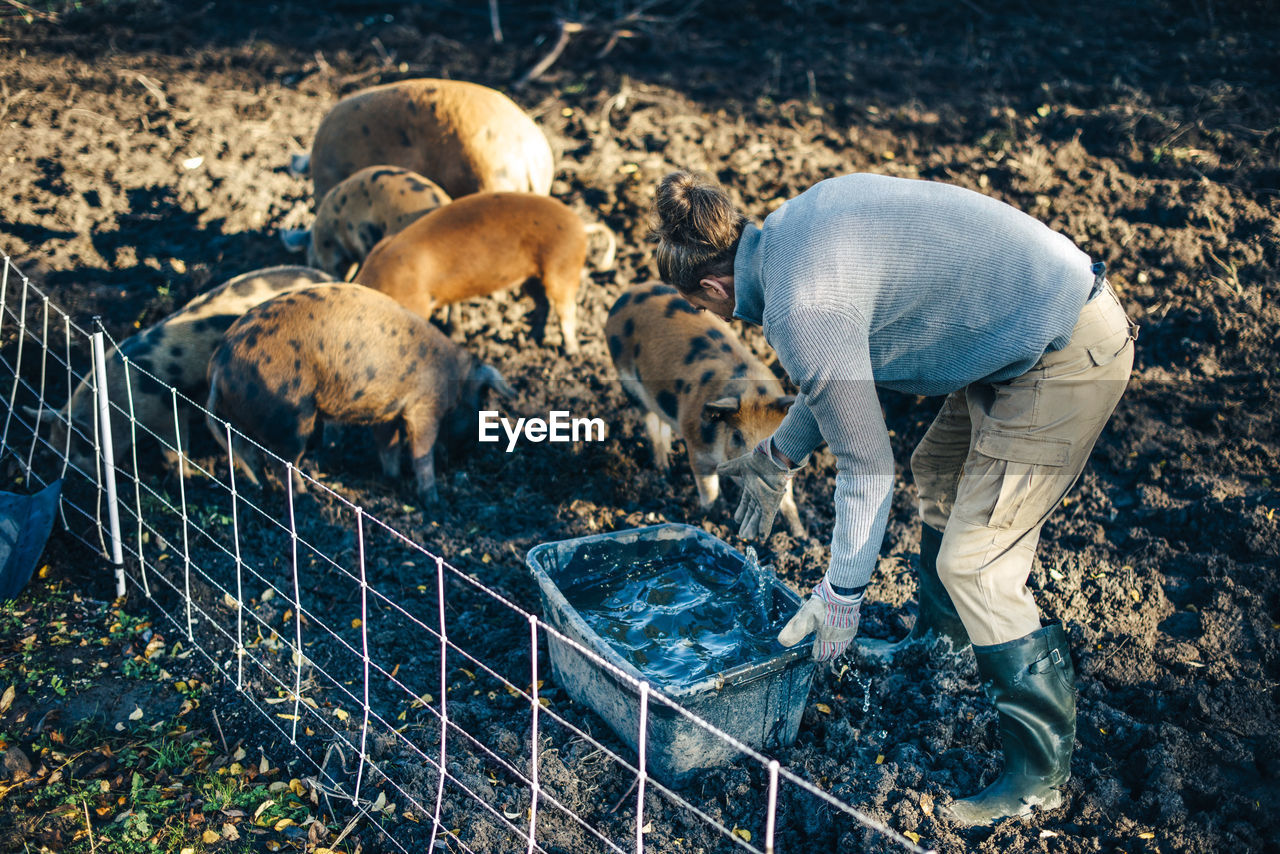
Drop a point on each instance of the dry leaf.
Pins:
(914, 837)
(263, 765)
(263, 807)
(341, 714)
(824, 708)
(879, 758)
(136, 714)
(210, 836)
(7, 700)
(742, 833)
(1147, 835)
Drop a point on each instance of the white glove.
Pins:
(832, 616)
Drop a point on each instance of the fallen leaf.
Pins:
(263, 807)
(282, 824)
(913, 836)
(879, 758)
(824, 708)
(1047, 834)
(211, 836)
(1147, 835)
(742, 833)
(341, 714)
(136, 714)
(7, 700)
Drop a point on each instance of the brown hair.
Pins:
(697, 230)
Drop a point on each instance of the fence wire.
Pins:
(304, 614)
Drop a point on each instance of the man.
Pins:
(929, 289)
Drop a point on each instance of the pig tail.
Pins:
(697, 229)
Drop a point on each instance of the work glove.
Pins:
(764, 483)
(833, 616)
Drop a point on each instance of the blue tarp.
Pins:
(25, 524)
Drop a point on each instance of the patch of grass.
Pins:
(145, 776)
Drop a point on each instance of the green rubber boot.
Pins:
(1032, 682)
(937, 616)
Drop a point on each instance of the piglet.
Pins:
(347, 354)
(692, 375)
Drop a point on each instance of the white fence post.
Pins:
(182, 494)
(771, 819)
(108, 459)
(364, 647)
(297, 606)
(137, 479)
(533, 769)
(444, 716)
(235, 533)
(644, 735)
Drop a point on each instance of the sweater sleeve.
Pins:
(826, 353)
(798, 435)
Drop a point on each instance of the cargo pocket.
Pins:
(1106, 351)
(1021, 477)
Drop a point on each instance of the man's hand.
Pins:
(832, 616)
(764, 483)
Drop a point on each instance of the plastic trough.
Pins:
(759, 703)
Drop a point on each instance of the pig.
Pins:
(175, 351)
(466, 137)
(692, 375)
(348, 354)
(359, 211)
(483, 243)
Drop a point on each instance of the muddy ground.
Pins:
(143, 148)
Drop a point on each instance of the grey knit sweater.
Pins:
(916, 286)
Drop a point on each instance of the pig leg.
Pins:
(706, 479)
(421, 423)
(791, 513)
(180, 456)
(387, 437)
(567, 311)
(541, 309)
(660, 434)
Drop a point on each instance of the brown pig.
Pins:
(466, 137)
(348, 354)
(359, 211)
(173, 352)
(484, 243)
(693, 375)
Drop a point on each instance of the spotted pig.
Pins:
(347, 354)
(360, 210)
(694, 376)
(173, 352)
(484, 243)
(466, 137)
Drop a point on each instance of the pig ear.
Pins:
(718, 410)
(783, 402)
(42, 415)
(488, 376)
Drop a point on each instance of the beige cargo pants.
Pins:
(1000, 457)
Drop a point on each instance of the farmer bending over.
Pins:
(928, 289)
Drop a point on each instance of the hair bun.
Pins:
(693, 208)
